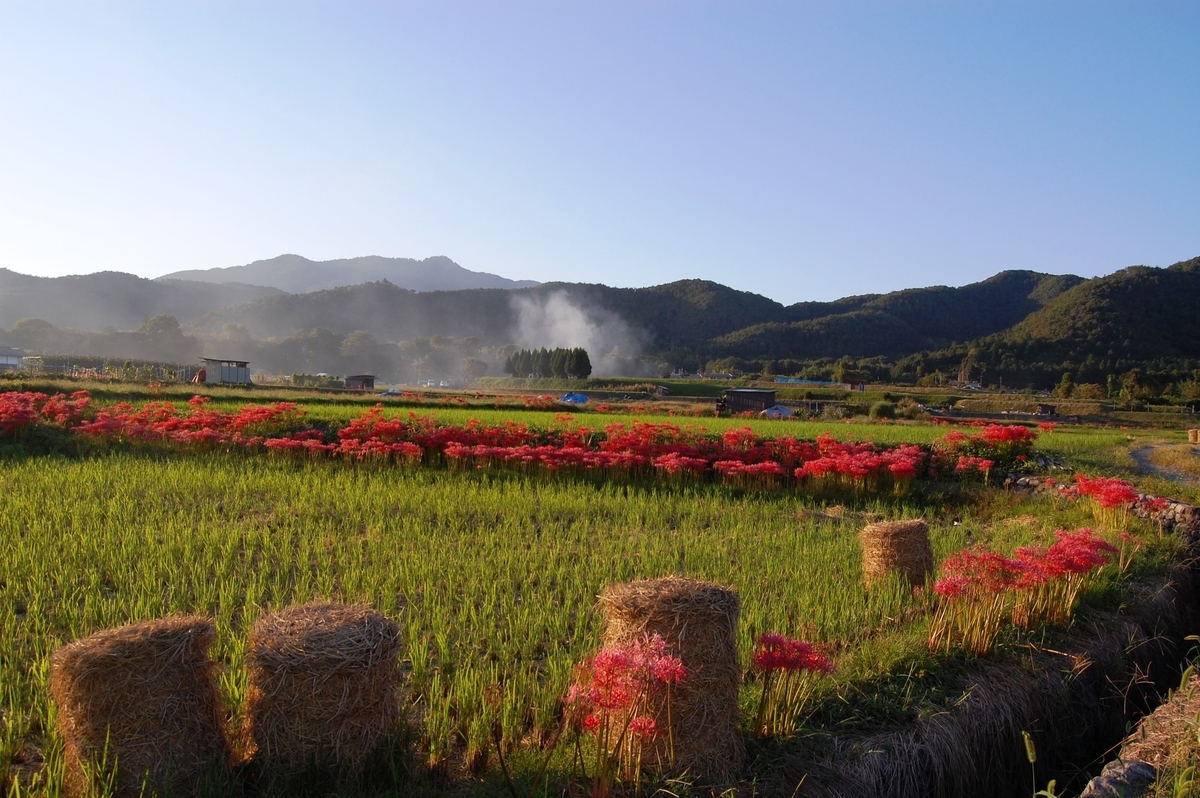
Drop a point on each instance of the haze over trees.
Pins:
(561, 363)
(1018, 328)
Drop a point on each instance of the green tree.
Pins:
(1065, 386)
(579, 365)
(474, 369)
(558, 362)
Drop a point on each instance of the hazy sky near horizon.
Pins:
(799, 150)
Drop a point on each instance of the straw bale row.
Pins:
(139, 706)
(323, 679)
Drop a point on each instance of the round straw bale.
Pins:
(142, 697)
(699, 621)
(322, 688)
(1194, 436)
(900, 547)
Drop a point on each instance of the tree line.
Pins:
(562, 363)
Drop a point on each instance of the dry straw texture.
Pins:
(699, 621)
(900, 547)
(1167, 737)
(322, 688)
(145, 694)
(1194, 436)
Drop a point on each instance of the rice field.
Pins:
(492, 575)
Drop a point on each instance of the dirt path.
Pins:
(1145, 466)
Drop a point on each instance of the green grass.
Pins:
(493, 576)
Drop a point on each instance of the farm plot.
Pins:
(492, 573)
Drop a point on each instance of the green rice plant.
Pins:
(492, 576)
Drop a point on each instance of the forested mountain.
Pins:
(704, 318)
(900, 323)
(112, 299)
(1139, 312)
(683, 313)
(1018, 327)
(297, 275)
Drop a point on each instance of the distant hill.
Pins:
(689, 318)
(1138, 313)
(683, 313)
(112, 299)
(297, 275)
(899, 323)
(1018, 327)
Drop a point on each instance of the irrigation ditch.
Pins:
(1077, 698)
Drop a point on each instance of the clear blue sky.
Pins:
(798, 150)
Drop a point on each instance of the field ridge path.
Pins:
(1141, 457)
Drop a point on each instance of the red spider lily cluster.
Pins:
(778, 653)
(979, 589)
(980, 451)
(1046, 427)
(1106, 492)
(644, 448)
(620, 697)
(21, 411)
(980, 464)
(787, 666)
(167, 423)
(738, 456)
(1111, 498)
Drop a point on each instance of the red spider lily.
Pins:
(642, 448)
(992, 442)
(980, 464)
(1154, 504)
(785, 696)
(778, 653)
(163, 422)
(973, 597)
(21, 411)
(1053, 577)
(1107, 492)
(616, 697)
(1155, 508)
(1111, 498)
(978, 588)
(1046, 426)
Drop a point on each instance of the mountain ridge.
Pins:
(295, 274)
(1020, 326)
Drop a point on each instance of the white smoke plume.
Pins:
(612, 345)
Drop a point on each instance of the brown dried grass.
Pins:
(900, 547)
(699, 621)
(1183, 458)
(1194, 436)
(322, 689)
(1167, 737)
(1075, 699)
(142, 696)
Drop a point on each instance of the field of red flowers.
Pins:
(640, 448)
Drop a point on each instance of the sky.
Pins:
(803, 151)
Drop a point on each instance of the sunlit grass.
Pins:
(493, 575)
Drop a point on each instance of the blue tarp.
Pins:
(574, 399)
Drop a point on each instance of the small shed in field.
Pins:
(361, 382)
(748, 400)
(11, 359)
(222, 371)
